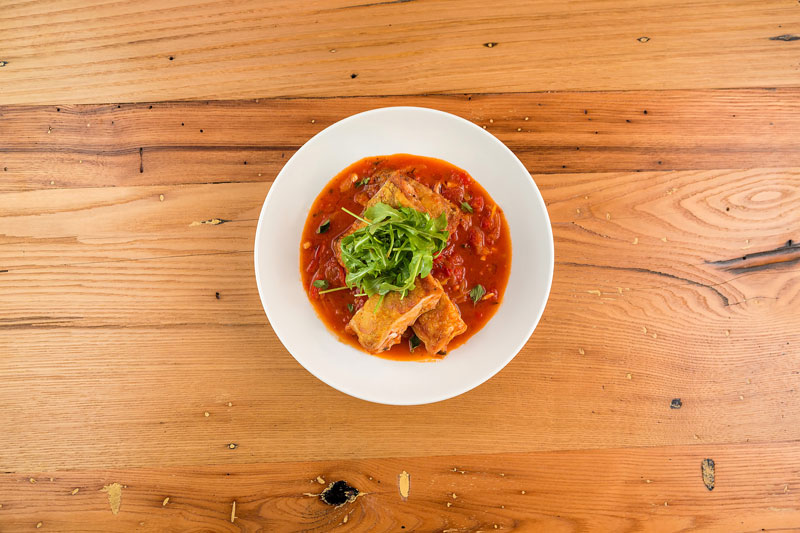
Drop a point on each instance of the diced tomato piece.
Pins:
(486, 222)
(454, 194)
(312, 290)
(333, 273)
(315, 260)
(459, 272)
(491, 225)
(476, 239)
(477, 203)
(325, 254)
(495, 233)
(465, 222)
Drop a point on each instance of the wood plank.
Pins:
(644, 489)
(46, 239)
(162, 143)
(91, 51)
(112, 325)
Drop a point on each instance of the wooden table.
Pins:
(142, 389)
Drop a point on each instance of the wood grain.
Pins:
(668, 284)
(650, 489)
(92, 51)
(142, 388)
(50, 147)
(671, 334)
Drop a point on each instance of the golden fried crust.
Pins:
(439, 326)
(380, 325)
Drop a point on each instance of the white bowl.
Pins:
(418, 131)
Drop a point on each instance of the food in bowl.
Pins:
(405, 256)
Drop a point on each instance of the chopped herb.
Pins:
(477, 293)
(325, 226)
(393, 248)
(350, 307)
(363, 182)
(466, 207)
(413, 342)
(320, 284)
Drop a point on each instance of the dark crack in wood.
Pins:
(590, 231)
(210, 222)
(688, 281)
(785, 37)
(785, 255)
(339, 493)
(708, 470)
(376, 4)
(787, 247)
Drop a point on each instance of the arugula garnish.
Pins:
(321, 284)
(325, 226)
(466, 207)
(334, 289)
(477, 293)
(394, 248)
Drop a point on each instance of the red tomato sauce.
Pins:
(478, 251)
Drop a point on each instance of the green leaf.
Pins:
(395, 246)
(380, 212)
(477, 293)
(350, 307)
(320, 284)
(325, 226)
(413, 342)
(363, 182)
(440, 223)
(466, 207)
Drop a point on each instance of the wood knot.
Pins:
(676, 403)
(339, 493)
